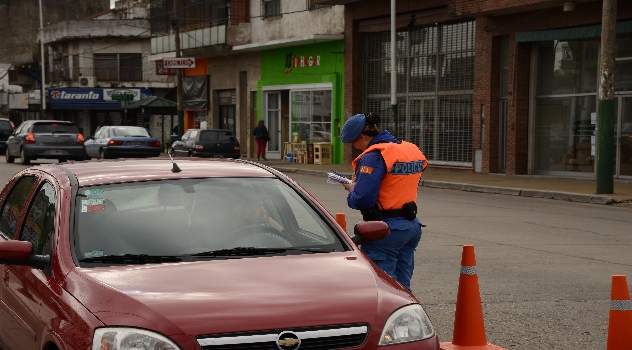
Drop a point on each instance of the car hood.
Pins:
(222, 296)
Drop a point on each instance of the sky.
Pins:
(112, 3)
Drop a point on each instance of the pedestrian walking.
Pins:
(260, 133)
(386, 176)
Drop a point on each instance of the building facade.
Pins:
(493, 86)
(256, 56)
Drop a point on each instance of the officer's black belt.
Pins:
(393, 213)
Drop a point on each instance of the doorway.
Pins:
(623, 137)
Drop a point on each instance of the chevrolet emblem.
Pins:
(288, 340)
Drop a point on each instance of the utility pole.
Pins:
(393, 68)
(605, 112)
(179, 90)
(43, 82)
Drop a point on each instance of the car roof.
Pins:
(48, 121)
(148, 169)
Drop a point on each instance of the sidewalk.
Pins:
(575, 190)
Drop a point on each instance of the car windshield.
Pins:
(197, 219)
(130, 131)
(5, 125)
(216, 136)
(55, 128)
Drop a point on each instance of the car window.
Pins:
(186, 136)
(40, 221)
(193, 134)
(19, 129)
(175, 217)
(10, 214)
(55, 128)
(129, 131)
(217, 136)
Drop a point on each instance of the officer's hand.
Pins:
(349, 187)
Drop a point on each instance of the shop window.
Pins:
(568, 67)
(312, 6)
(311, 116)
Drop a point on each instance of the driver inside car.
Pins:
(254, 213)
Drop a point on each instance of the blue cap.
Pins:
(353, 128)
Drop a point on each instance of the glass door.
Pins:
(272, 119)
(623, 160)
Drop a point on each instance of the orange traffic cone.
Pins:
(469, 328)
(341, 220)
(620, 322)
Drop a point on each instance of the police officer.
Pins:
(386, 175)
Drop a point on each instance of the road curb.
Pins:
(565, 196)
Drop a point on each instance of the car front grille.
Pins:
(321, 338)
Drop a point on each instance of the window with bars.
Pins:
(118, 67)
(435, 79)
(312, 6)
(270, 8)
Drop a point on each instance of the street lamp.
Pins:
(43, 81)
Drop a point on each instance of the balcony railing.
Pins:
(108, 75)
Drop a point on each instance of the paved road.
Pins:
(544, 266)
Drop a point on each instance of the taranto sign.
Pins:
(178, 62)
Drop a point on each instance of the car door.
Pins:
(12, 327)
(179, 147)
(27, 291)
(93, 145)
(14, 142)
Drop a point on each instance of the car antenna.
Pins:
(176, 168)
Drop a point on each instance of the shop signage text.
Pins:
(65, 95)
(292, 62)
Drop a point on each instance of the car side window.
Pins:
(10, 214)
(99, 133)
(186, 135)
(40, 221)
(193, 134)
(18, 130)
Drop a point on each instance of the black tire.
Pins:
(9, 159)
(62, 160)
(23, 158)
(102, 154)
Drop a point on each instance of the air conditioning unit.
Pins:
(88, 81)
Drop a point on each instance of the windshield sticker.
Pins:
(92, 205)
(93, 254)
(94, 192)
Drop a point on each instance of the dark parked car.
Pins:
(48, 139)
(122, 141)
(215, 143)
(211, 254)
(6, 129)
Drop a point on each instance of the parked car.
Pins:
(48, 139)
(146, 254)
(122, 141)
(214, 143)
(6, 129)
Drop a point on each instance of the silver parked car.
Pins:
(49, 139)
(122, 141)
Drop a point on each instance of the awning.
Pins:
(155, 105)
(575, 33)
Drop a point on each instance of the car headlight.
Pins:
(121, 338)
(407, 324)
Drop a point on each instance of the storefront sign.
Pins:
(292, 62)
(178, 62)
(93, 98)
(35, 97)
(18, 101)
(161, 70)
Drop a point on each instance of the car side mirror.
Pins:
(15, 252)
(370, 231)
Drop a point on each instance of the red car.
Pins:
(202, 254)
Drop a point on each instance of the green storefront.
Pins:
(301, 99)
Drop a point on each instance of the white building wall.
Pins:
(296, 21)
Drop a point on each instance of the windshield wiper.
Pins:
(248, 251)
(132, 259)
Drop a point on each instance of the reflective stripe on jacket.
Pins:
(404, 164)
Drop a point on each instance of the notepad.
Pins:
(336, 178)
